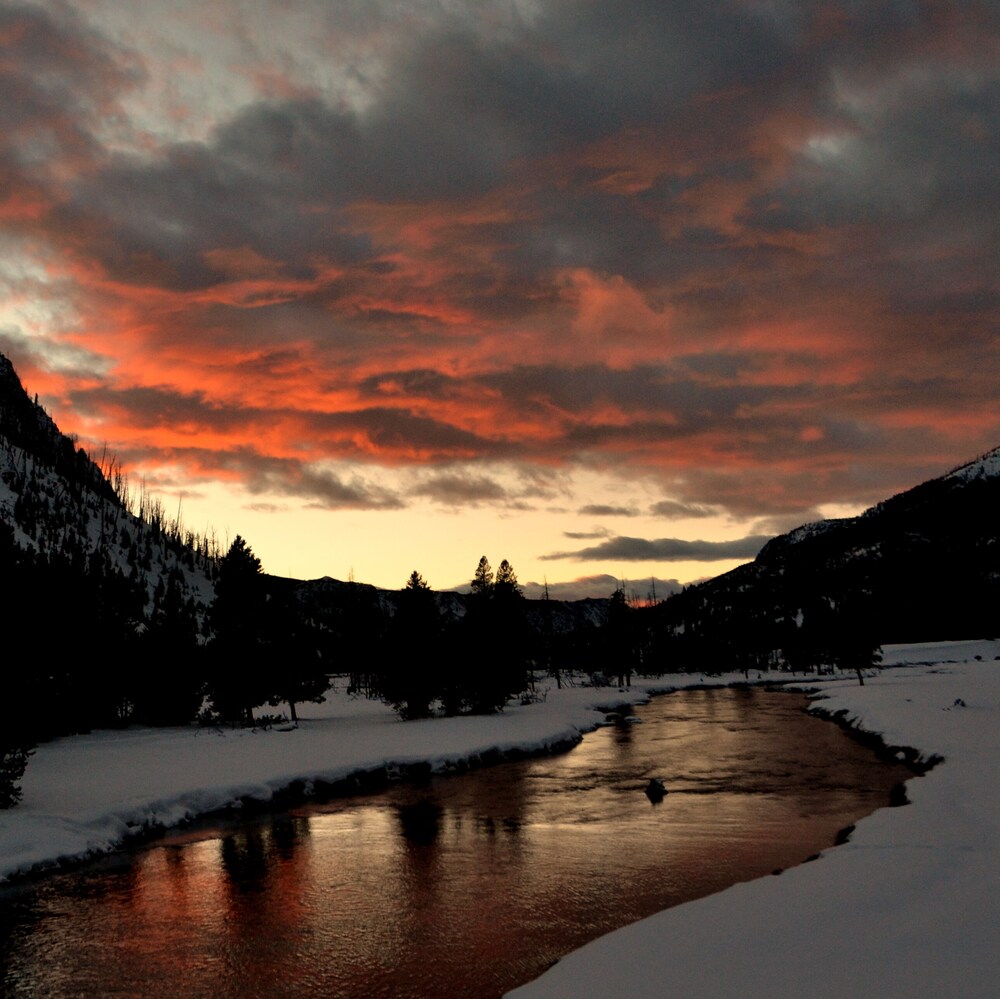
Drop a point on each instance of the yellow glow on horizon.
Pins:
(382, 547)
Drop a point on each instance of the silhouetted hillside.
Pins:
(79, 542)
(354, 612)
(923, 565)
(108, 593)
(25, 425)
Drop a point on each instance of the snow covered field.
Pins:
(907, 908)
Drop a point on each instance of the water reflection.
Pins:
(458, 887)
(420, 822)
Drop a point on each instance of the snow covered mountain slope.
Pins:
(923, 565)
(55, 502)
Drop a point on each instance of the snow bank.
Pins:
(908, 908)
(86, 794)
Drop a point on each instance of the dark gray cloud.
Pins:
(324, 489)
(511, 486)
(601, 510)
(667, 550)
(153, 406)
(320, 487)
(423, 383)
(347, 433)
(399, 432)
(462, 490)
(61, 80)
(921, 154)
(158, 223)
(26, 352)
(246, 185)
(266, 475)
(675, 510)
(664, 401)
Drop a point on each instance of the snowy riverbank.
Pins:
(907, 908)
(86, 794)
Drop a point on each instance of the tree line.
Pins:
(114, 650)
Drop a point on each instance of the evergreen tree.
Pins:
(482, 581)
(505, 586)
(409, 682)
(296, 671)
(169, 690)
(619, 637)
(547, 657)
(14, 752)
(237, 683)
(16, 685)
(495, 639)
(359, 634)
(851, 643)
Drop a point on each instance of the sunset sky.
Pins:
(610, 290)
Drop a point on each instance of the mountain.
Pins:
(107, 593)
(27, 430)
(921, 566)
(56, 502)
(353, 612)
(78, 543)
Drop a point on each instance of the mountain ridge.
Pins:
(923, 564)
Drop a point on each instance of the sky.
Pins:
(613, 291)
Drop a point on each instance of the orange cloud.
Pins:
(754, 258)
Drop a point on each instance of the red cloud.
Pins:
(764, 274)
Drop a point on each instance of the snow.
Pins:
(986, 466)
(939, 652)
(85, 794)
(95, 523)
(907, 908)
(816, 528)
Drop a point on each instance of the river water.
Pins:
(458, 887)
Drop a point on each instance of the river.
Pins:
(462, 886)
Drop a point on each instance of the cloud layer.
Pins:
(667, 550)
(744, 252)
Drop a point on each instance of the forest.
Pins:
(127, 618)
(109, 651)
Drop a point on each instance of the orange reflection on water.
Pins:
(464, 886)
